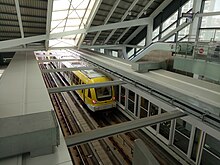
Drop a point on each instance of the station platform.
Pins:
(27, 117)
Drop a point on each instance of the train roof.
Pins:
(92, 74)
(89, 73)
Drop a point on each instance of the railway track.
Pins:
(117, 149)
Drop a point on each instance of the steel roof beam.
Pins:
(122, 19)
(124, 127)
(85, 86)
(106, 19)
(138, 16)
(20, 41)
(18, 49)
(124, 24)
(48, 24)
(154, 14)
(66, 69)
(19, 19)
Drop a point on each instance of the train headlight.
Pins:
(94, 101)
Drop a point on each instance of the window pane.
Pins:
(183, 127)
(196, 144)
(123, 96)
(153, 111)
(143, 113)
(211, 6)
(142, 43)
(206, 35)
(182, 33)
(187, 6)
(181, 142)
(103, 93)
(130, 105)
(170, 20)
(169, 30)
(182, 134)
(212, 145)
(144, 103)
(171, 39)
(165, 127)
(116, 89)
(210, 21)
(155, 32)
(131, 95)
(131, 52)
(209, 159)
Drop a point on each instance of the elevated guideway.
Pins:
(196, 97)
(163, 46)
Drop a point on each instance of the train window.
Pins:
(182, 135)
(211, 151)
(89, 93)
(153, 111)
(165, 127)
(103, 93)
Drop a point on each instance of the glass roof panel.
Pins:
(70, 15)
(59, 15)
(61, 5)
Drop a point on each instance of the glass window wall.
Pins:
(123, 96)
(165, 127)
(131, 99)
(153, 111)
(144, 107)
(182, 135)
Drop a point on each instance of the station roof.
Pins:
(72, 22)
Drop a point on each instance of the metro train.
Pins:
(96, 99)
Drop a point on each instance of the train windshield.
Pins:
(103, 93)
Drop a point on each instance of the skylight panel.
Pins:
(69, 15)
(59, 15)
(61, 5)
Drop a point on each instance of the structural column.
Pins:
(194, 26)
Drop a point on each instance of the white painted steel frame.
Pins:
(19, 19)
(120, 128)
(122, 19)
(106, 20)
(85, 86)
(66, 69)
(48, 23)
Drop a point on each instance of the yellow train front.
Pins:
(95, 98)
